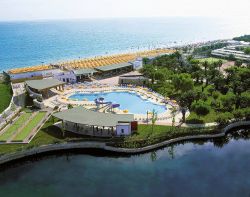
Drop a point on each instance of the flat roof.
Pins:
(84, 71)
(133, 73)
(113, 66)
(44, 83)
(81, 115)
(30, 69)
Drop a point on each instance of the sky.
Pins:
(71, 9)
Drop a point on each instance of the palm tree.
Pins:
(220, 63)
(205, 66)
(154, 119)
(173, 113)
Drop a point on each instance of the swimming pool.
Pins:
(130, 101)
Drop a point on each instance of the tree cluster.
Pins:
(201, 87)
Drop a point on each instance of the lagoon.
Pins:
(200, 168)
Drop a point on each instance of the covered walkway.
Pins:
(43, 86)
(83, 121)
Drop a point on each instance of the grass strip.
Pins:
(24, 133)
(15, 126)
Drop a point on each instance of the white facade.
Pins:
(137, 64)
(68, 77)
(123, 129)
(231, 50)
(43, 73)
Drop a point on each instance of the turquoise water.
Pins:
(202, 169)
(130, 101)
(31, 43)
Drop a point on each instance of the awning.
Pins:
(114, 66)
(86, 71)
(44, 83)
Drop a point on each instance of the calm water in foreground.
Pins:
(190, 169)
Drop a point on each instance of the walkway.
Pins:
(103, 146)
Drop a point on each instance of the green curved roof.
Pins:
(43, 83)
(84, 116)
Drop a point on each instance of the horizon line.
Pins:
(104, 18)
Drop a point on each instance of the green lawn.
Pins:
(146, 136)
(5, 96)
(146, 130)
(211, 60)
(13, 128)
(24, 133)
(50, 134)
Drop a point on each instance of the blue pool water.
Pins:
(130, 101)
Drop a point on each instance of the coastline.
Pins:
(102, 145)
(121, 52)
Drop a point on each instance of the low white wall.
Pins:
(102, 145)
(123, 130)
(44, 73)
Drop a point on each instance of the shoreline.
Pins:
(8, 158)
(120, 52)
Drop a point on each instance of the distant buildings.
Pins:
(85, 70)
(228, 51)
(135, 78)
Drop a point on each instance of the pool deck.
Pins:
(62, 100)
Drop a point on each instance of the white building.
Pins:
(34, 74)
(123, 129)
(67, 76)
(231, 50)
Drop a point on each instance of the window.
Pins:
(122, 130)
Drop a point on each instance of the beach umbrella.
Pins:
(125, 111)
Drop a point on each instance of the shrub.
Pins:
(215, 104)
(204, 96)
(215, 95)
(247, 50)
(224, 118)
(200, 108)
(238, 114)
(70, 106)
(245, 100)
(247, 113)
(228, 101)
(210, 90)
(231, 57)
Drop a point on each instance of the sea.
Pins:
(27, 43)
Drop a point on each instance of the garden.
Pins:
(199, 86)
